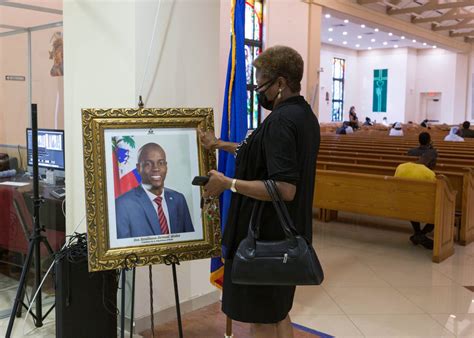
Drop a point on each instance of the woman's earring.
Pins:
(279, 93)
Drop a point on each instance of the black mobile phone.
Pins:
(200, 180)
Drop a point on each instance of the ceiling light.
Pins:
(372, 40)
(414, 41)
(385, 43)
(330, 39)
(376, 29)
(435, 47)
(362, 26)
(330, 29)
(346, 21)
(327, 16)
(390, 34)
(370, 48)
(402, 37)
(344, 42)
(395, 46)
(344, 33)
(357, 45)
(359, 36)
(424, 43)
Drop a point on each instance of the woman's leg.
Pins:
(263, 330)
(284, 328)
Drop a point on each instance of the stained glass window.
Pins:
(253, 47)
(338, 72)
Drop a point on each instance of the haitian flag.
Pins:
(126, 176)
(234, 118)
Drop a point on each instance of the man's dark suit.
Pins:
(137, 217)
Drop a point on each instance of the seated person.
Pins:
(344, 129)
(396, 129)
(425, 146)
(368, 122)
(424, 123)
(453, 135)
(465, 131)
(385, 121)
(419, 171)
(353, 120)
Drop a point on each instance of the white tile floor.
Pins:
(377, 285)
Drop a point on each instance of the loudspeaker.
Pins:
(86, 303)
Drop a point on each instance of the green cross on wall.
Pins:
(379, 103)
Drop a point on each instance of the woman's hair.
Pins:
(352, 109)
(281, 61)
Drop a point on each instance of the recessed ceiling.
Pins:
(447, 17)
(344, 31)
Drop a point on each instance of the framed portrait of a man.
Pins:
(141, 205)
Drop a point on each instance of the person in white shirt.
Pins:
(385, 122)
(396, 130)
(453, 135)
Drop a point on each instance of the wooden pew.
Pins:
(462, 182)
(392, 197)
(404, 158)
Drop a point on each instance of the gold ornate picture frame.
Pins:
(132, 156)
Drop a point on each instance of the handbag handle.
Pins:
(275, 195)
(282, 213)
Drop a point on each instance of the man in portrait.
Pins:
(151, 208)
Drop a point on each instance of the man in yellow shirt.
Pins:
(419, 171)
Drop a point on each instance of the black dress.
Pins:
(283, 148)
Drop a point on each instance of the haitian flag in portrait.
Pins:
(379, 102)
(126, 176)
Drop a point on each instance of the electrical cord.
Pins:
(46, 275)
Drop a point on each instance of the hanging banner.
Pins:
(379, 101)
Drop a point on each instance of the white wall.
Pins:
(106, 43)
(286, 23)
(410, 73)
(411, 111)
(395, 61)
(351, 92)
(436, 72)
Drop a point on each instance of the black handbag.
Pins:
(291, 261)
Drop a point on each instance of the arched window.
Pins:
(253, 47)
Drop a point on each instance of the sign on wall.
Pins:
(379, 101)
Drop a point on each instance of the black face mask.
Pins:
(262, 98)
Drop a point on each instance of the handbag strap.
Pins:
(276, 201)
(275, 195)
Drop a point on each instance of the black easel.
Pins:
(35, 241)
(173, 260)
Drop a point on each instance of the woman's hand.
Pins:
(208, 139)
(216, 185)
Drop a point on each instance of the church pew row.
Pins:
(390, 162)
(468, 143)
(398, 141)
(461, 181)
(392, 197)
(394, 149)
(403, 158)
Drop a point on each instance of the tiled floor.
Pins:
(377, 285)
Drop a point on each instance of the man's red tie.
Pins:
(161, 216)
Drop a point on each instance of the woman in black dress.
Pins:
(283, 148)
